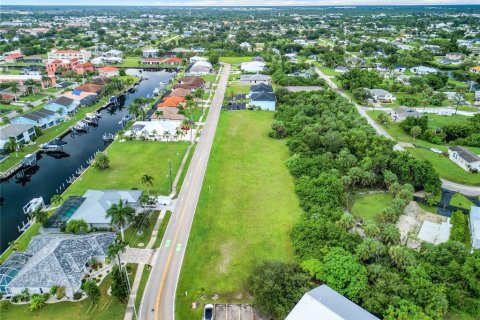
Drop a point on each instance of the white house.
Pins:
(201, 68)
(466, 159)
(423, 70)
(195, 59)
(246, 46)
(255, 79)
(382, 95)
(23, 133)
(150, 53)
(324, 303)
(474, 225)
(252, 66)
(108, 71)
(82, 55)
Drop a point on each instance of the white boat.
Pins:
(163, 83)
(156, 91)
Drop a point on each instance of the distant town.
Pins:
(248, 163)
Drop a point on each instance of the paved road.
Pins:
(159, 299)
(400, 146)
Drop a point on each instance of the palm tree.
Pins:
(14, 88)
(147, 180)
(134, 109)
(46, 80)
(115, 249)
(154, 133)
(56, 199)
(120, 215)
(12, 145)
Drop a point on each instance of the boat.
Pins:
(163, 83)
(33, 205)
(29, 160)
(156, 91)
(108, 137)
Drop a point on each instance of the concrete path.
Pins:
(135, 255)
(159, 299)
(155, 230)
(129, 314)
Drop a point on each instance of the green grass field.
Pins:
(446, 168)
(459, 200)
(235, 60)
(134, 239)
(369, 207)
(245, 212)
(436, 121)
(32, 97)
(129, 161)
(236, 89)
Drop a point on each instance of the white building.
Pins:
(82, 55)
(195, 59)
(474, 225)
(324, 303)
(201, 68)
(466, 159)
(252, 66)
(23, 133)
(423, 70)
(382, 95)
(150, 53)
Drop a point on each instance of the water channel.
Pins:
(51, 172)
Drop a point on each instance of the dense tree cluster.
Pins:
(334, 151)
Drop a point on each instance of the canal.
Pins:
(51, 172)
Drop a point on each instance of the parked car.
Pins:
(208, 312)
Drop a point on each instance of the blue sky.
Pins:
(234, 2)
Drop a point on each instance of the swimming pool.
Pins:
(64, 213)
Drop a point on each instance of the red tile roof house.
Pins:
(64, 66)
(152, 61)
(14, 58)
(84, 67)
(173, 61)
(191, 83)
(164, 61)
(109, 71)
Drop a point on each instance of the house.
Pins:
(64, 104)
(113, 53)
(155, 129)
(253, 66)
(246, 46)
(65, 65)
(53, 260)
(14, 58)
(23, 133)
(341, 69)
(167, 113)
(83, 98)
(90, 87)
(22, 78)
(400, 69)
(197, 59)
(81, 55)
(262, 99)
(466, 159)
(325, 303)
(201, 68)
(95, 203)
(172, 102)
(191, 83)
(381, 95)
(33, 59)
(401, 113)
(475, 69)
(261, 87)
(421, 70)
(150, 53)
(173, 61)
(81, 68)
(108, 71)
(474, 226)
(455, 56)
(101, 80)
(180, 92)
(42, 118)
(255, 79)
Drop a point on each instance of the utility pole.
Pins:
(171, 178)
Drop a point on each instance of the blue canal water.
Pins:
(51, 172)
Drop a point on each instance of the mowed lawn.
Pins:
(370, 207)
(246, 210)
(129, 161)
(235, 60)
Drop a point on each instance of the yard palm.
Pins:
(147, 180)
(14, 88)
(11, 145)
(120, 215)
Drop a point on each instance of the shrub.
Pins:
(77, 296)
(459, 224)
(60, 292)
(77, 226)
(16, 298)
(4, 305)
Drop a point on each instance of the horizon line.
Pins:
(241, 6)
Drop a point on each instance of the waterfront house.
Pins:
(325, 303)
(14, 58)
(101, 80)
(81, 68)
(464, 158)
(474, 226)
(255, 79)
(22, 78)
(63, 105)
(155, 129)
(174, 101)
(83, 98)
(23, 133)
(200, 68)
(167, 113)
(42, 118)
(33, 59)
(90, 87)
(197, 59)
(108, 71)
(53, 260)
(191, 83)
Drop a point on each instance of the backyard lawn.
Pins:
(129, 161)
(369, 207)
(108, 307)
(245, 212)
(32, 97)
(236, 89)
(446, 168)
(459, 200)
(235, 60)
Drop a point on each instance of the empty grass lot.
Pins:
(235, 60)
(129, 161)
(245, 212)
(369, 207)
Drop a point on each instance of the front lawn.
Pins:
(370, 207)
(235, 60)
(32, 97)
(246, 210)
(134, 239)
(129, 161)
(236, 89)
(446, 168)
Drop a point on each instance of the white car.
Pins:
(435, 150)
(208, 312)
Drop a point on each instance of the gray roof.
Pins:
(13, 130)
(325, 303)
(262, 96)
(60, 259)
(465, 154)
(64, 101)
(39, 114)
(261, 87)
(379, 92)
(97, 202)
(255, 77)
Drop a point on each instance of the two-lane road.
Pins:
(159, 298)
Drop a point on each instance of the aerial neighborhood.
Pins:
(296, 162)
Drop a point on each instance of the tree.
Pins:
(371, 229)
(401, 256)
(147, 180)
(405, 310)
(119, 287)
(37, 302)
(370, 249)
(141, 221)
(14, 89)
(115, 249)
(389, 234)
(91, 289)
(415, 131)
(56, 199)
(77, 226)
(277, 287)
(459, 100)
(347, 221)
(101, 161)
(12, 145)
(213, 58)
(383, 118)
(40, 215)
(120, 215)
